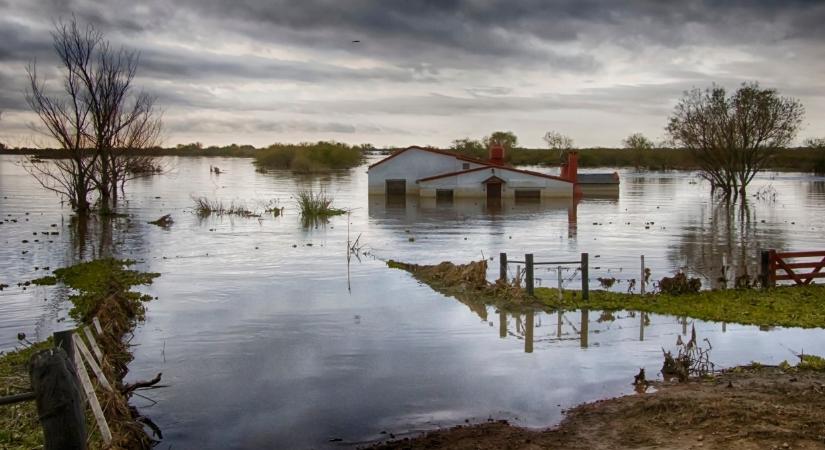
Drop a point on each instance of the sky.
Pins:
(425, 72)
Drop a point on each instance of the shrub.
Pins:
(679, 284)
(308, 157)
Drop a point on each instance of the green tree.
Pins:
(637, 141)
(506, 139)
(734, 137)
(469, 147)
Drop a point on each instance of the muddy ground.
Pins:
(745, 408)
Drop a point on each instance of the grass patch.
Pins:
(19, 424)
(317, 206)
(787, 306)
(205, 207)
(45, 281)
(309, 157)
(96, 280)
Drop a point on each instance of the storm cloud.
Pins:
(427, 71)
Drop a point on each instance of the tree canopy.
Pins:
(734, 136)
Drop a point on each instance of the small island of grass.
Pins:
(786, 306)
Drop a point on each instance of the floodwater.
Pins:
(267, 337)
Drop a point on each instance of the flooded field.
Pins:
(266, 336)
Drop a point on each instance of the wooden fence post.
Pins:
(642, 279)
(58, 399)
(529, 326)
(528, 275)
(561, 292)
(585, 276)
(502, 268)
(765, 263)
(65, 340)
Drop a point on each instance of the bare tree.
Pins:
(815, 143)
(66, 119)
(98, 119)
(558, 141)
(734, 137)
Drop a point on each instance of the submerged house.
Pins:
(433, 173)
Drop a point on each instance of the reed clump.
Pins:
(205, 207)
(317, 206)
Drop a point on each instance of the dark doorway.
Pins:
(396, 187)
(494, 191)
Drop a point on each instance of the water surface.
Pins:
(266, 337)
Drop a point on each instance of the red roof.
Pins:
(490, 166)
(438, 151)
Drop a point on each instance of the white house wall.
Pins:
(471, 184)
(412, 165)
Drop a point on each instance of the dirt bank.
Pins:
(744, 408)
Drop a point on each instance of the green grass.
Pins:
(309, 157)
(95, 280)
(19, 424)
(787, 306)
(316, 206)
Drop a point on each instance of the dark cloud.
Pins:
(443, 59)
(214, 125)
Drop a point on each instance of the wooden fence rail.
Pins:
(529, 270)
(777, 266)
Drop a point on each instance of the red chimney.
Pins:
(497, 154)
(570, 169)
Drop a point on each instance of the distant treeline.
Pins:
(321, 156)
(802, 159)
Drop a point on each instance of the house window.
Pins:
(444, 196)
(465, 166)
(528, 195)
(396, 187)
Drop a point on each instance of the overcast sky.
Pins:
(426, 72)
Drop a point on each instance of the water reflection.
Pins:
(723, 242)
(417, 210)
(523, 325)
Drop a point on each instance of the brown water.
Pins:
(265, 341)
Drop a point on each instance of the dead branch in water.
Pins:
(129, 388)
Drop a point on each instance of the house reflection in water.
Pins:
(412, 210)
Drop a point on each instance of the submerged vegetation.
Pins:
(316, 206)
(309, 157)
(96, 281)
(205, 207)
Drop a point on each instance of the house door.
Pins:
(494, 191)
